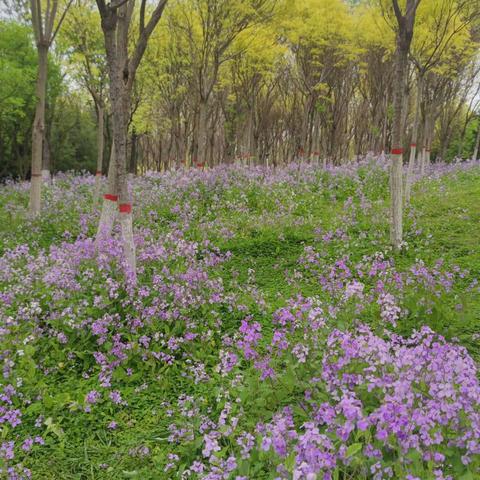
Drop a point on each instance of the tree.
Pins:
(18, 65)
(441, 31)
(83, 40)
(208, 29)
(116, 20)
(45, 29)
(406, 24)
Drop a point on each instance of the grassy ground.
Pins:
(448, 212)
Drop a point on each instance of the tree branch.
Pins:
(143, 40)
(396, 9)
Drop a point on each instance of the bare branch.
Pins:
(143, 40)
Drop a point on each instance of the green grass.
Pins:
(447, 210)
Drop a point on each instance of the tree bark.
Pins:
(45, 159)
(100, 148)
(120, 110)
(133, 154)
(404, 39)
(413, 145)
(109, 207)
(202, 132)
(38, 129)
(396, 172)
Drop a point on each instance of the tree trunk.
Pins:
(477, 143)
(45, 159)
(109, 207)
(133, 155)
(413, 145)
(38, 130)
(120, 111)
(115, 29)
(100, 148)
(202, 132)
(396, 172)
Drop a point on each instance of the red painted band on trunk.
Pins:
(396, 151)
(36, 174)
(413, 145)
(112, 198)
(125, 208)
(98, 172)
(316, 153)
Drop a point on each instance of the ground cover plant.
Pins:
(273, 332)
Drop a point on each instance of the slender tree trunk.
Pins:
(100, 148)
(45, 159)
(385, 125)
(202, 132)
(133, 154)
(396, 172)
(109, 207)
(38, 130)
(477, 143)
(413, 145)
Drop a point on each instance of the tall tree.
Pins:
(116, 20)
(45, 28)
(442, 30)
(18, 65)
(210, 28)
(83, 40)
(406, 22)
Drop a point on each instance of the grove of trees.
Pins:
(260, 81)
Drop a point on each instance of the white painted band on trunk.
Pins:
(107, 219)
(126, 224)
(35, 194)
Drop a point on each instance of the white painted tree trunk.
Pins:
(413, 145)
(38, 130)
(126, 225)
(396, 168)
(422, 161)
(35, 193)
(109, 207)
(107, 218)
(396, 184)
(46, 177)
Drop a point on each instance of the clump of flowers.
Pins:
(388, 407)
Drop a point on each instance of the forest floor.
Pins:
(215, 351)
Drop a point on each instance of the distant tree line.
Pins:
(258, 81)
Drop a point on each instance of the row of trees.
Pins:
(267, 81)
(313, 79)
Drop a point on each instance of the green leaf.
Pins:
(353, 449)
(54, 428)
